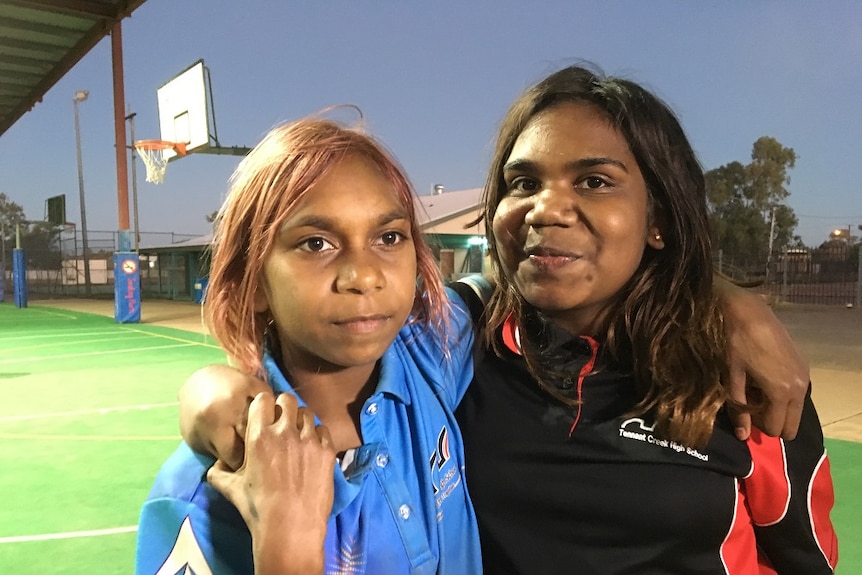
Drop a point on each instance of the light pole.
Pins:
(131, 120)
(80, 96)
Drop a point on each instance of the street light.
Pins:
(80, 96)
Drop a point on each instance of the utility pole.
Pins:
(771, 236)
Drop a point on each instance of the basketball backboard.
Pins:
(184, 111)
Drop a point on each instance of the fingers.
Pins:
(232, 453)
(277, 423)
(260, 413)
(242, 425)
(287, 416)
(222, 478)
(791, 422)
(776, 370)
(736, 389)
(325, 437)
(292, 416)
(305, 425)
(800, 381)
(783, 410)
(287, 410)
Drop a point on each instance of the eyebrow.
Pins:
(330, 224)
(523, 165)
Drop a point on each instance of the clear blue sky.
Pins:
(434, 78)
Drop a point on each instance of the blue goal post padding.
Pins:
(19, 277)
(127, 288)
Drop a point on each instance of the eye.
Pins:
(315, 244)
(392, 238)
(592, 183)
(522, 185)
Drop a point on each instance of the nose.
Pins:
(555, 205)
(359, 273)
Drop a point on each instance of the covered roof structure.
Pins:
(41, 40)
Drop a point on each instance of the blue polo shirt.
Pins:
(401, 505)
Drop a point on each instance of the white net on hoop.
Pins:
(155, 161)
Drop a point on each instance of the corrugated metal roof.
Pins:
(40, 40)
(438, 208)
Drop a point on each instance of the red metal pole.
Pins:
(120, 126)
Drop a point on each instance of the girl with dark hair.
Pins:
(623, 458)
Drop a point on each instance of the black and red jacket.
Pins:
(586, 490)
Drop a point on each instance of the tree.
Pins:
(11, 215)
(746, 205)
(41, 247)
(38, 239)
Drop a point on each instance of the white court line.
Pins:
(78, 341)
(54, 334)
(58, 437)
(68, 535)
(68, 355)
(170, 337)
(87, 411)
(34, 311)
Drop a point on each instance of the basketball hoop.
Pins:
(153, 154)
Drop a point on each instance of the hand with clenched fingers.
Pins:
(763, 363)
(284, 488)
(214, 404)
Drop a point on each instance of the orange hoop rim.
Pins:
(156, 145)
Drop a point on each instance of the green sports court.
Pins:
(88, 412)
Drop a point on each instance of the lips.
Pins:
(548, 252)
(363, 324)
(548, 257)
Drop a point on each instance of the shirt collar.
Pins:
(393, 379)
(345, 491)
(393, 376)
(554, 340)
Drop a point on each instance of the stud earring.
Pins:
(657, 237)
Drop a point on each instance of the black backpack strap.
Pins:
(476, 291)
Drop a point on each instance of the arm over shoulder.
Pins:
(790, 496)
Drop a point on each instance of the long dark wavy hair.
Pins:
(665, 325)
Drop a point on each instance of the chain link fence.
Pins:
(55, 261)
(828, 275)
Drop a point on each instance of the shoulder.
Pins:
(474, 291)
(181, 476)
(185, 521)
(181, 481)
(426, 339)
